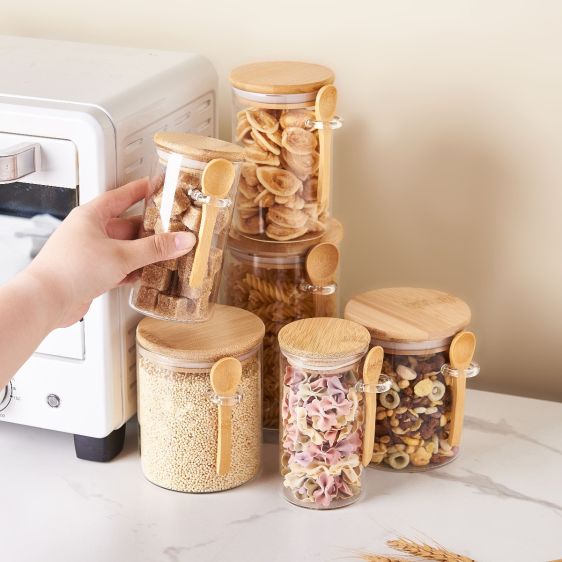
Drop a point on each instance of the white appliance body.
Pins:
(92, 110)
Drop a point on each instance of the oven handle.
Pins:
(18, 161)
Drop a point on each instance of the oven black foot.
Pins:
(101, 449)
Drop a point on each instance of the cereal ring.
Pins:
(437, 391)
(289, 218)
(296, 118)
(277, 181)
(256, 154)
(399, 460)
(265, 143)
(303, 165)
(390, 399)
(283, 234)
(261, 120)
(298, 141)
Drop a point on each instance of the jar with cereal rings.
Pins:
(185, 289)
(419, 420)
(284, 118)
(270, 279)
(194, 436)
(323, 411)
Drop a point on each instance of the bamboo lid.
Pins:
(197, 147)
(405, 314)
(273, 248)
(281, 77)
(324, 339)
(231, 332)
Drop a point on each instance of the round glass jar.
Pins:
(415, 327)
(270, 280)
(174, 289)
(286, 181)
(322, 417)
(178, 408)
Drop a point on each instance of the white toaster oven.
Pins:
(75, 120)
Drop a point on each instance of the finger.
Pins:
(166, 246)
(124, 229)
(132, 277)
(116, 201)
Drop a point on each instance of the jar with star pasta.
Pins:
(271, 280)
(324, 411)
(184, 198)
(419, 420)
(284, 117)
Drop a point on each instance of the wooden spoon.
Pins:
(460, 357)
(321, 265)
(216, 181)
(225, 378)
(325, 109)
(371, 373)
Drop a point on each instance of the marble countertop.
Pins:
(501, 500)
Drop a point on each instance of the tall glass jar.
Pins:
(183, 446)
(270, 280)
(286, 180)
(322, 417)
(415, 327)
(173, 289)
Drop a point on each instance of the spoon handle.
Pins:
(224, 440)
(458, 391)
(201, 257)
(323, 305)
(369, 435)
(325, 169)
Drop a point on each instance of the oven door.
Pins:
(38, 188)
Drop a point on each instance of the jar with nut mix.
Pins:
(185, 289)
(270, 279)
(322, 411)
(179, 407)
(286, 181)
(414, 418)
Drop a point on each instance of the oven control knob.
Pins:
(5, 396)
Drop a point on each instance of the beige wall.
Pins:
(448, 169)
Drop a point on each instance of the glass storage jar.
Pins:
(415, 327)
(270, 280)
(185, 289)
(178, 408)
(322, 411)
(286, 181)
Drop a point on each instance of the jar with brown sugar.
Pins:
(185, 289)
(419, 419)
(271, 280)
(195, 436)
(284, 118)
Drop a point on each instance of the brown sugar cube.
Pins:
(172, 265)
(181, 201)
(186, 290)
(146, 298)
(215, 261)
(173, 226)
(185, 265)
(151, 215)
(192, 218)
(223, 220)
(156, 277)
(174, 307)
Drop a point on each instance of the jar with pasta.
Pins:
(284, 118)
(322, 411)
(271, 280)
(419, 419)
(188, 196)
(199, 401)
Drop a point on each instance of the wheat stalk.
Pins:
(380, 558)
(426, 551)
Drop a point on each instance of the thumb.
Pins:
(158, 247)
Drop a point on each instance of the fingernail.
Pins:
(184, 240)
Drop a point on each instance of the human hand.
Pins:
(95, 250)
